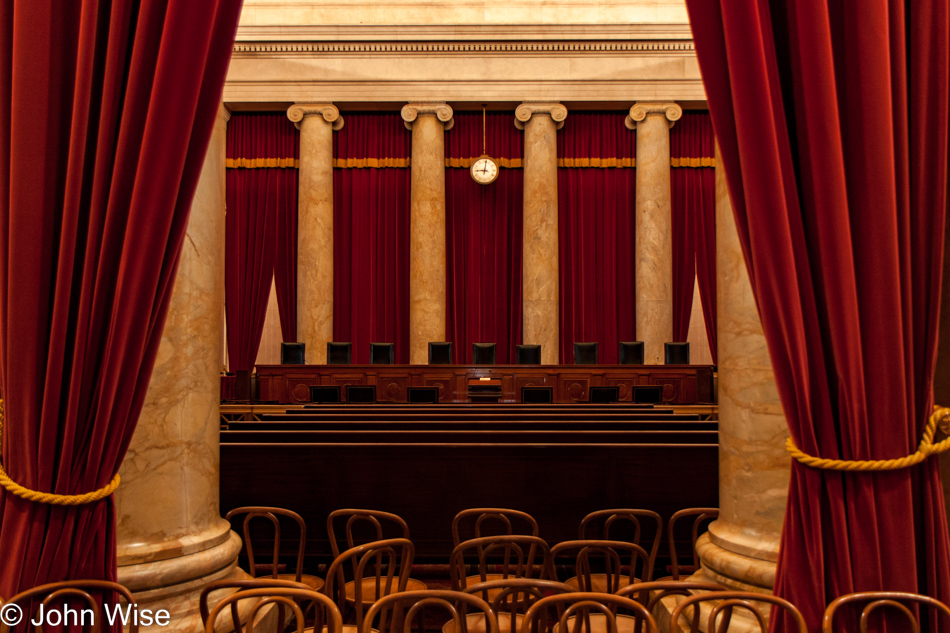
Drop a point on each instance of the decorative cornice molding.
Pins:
(329, 112)
(442, 111)
(640, 111)
(284, 49)
(224, 112)
(528, 109)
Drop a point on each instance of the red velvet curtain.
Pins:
(832, 121)
(262, 154)
(371, 233)
(693, 197)
(105, 116)
(483, 225)
(597, 232)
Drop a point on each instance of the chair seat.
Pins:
(314, 582)
(347, 628)
(475, 623)
(598, 624)
(598, 582)
(369, 589)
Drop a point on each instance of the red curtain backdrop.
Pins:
(483, 225)
(371, 233)
(840, 208)
(693, 193)
(597, 232)
(106, 114)
(262, 154)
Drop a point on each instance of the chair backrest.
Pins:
(205, 600)
(271, 514)
(361, 394)
(537, 395)
(647, 394)
(603, 393)
(528, 354)
(625, 524)
(381, 353)
(650, 593)
(511, 597)
(723, 606)
(325, 393)
(921, 613)
(614, 555)
(440, 353)
(506, 555)
(363, 526)
(89, 615)
(327, 614)
(457, 604)
(701, 517)
(483, 353)
(581, 605)
(676, 353)
(292, 353)
(491, 521)
(423, 395)
(585, 353)
(385, 563)
(631, 353)
(338, 353)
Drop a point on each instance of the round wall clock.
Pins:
(484, 170)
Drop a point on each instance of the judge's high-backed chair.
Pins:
(292, 354)
(338, 353)
(483, 353)
(585, 353)
(724, 604)
(631, 353)
(76, 595)
(629, 525)
(528, 354)
(381, 353)
(676, 353)
(440, 353)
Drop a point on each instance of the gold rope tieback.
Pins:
(48, 497)
(925, 450)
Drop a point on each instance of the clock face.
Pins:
(484, 170)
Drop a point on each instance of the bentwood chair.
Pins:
(478, 522)
(381, 353)
(326, 615)
(631, 353)
(292, 353)
(723, 606)
(510, 599)
(498, 558)
(627, 525)
(920, 613)
(483, 353)
(701, 519)
(440, 353)
(232, 621)
(585, 353)
(676, 353)
(461, 607)
(591, 612)
(651, 593)
(272, 515)
(88, 598)
(528, 354)
(614, 557)
(338, 353)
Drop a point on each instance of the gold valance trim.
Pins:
(706, 161)
(256, 163)
(363, 163)
(510, 163)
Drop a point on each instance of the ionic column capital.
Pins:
(328, 111)
(640, 111)
(441, 110)
(528, 109)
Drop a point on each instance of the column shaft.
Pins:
(427, 265)
(540, 268)
(315, 226)
(172, 540)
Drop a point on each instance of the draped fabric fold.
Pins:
(371, 234)
(832, 120)
(483, 225)
(106, 110)
(597, 235)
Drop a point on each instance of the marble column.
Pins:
(540, 291)
(654, 248)
(428, 122)
(172, 540)
(316, 122)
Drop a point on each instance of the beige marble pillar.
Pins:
(540, 290)
(654, 248)
(428, 122)
(172, 540)
(316, 122)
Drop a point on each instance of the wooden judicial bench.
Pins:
(682, 384)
